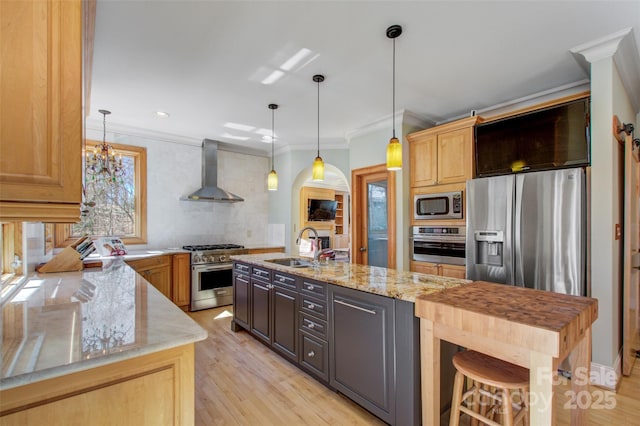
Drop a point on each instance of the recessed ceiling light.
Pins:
(162, 114)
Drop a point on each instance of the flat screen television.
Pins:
(549, 138)
(322, 210)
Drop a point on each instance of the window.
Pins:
(110, 210)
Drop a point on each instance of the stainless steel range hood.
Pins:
(210, 190)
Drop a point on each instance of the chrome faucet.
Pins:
(316, 253)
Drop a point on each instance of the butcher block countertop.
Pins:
(371, 279)
(539, 320)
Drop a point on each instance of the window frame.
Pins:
(63, 236)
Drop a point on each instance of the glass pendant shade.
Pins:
(317, 173)
(272, 177)
(272, 181)
(394, 154)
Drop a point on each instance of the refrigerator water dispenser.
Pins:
(489, 245)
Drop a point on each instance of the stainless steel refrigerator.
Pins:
(528, 230)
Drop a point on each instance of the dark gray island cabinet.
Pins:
(363, 345)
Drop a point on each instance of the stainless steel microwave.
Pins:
(441, 205)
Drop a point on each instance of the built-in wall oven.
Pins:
(439, 244)
(211, 274)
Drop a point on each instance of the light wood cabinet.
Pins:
(170, 274)
(445, 270)
(442, 154)
(423, 159)
(181, 280)
(156, 270)
(154, 389)
(41, 94)
(258, 250)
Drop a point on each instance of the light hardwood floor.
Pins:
(240, 381)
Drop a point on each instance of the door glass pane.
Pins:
(377, 223)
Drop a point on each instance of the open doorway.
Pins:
(334, 231)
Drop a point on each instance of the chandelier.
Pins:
(102, 164)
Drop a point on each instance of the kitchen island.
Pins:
(100, 346)
(352, 327)
(531, 328)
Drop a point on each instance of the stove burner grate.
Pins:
(203, 247)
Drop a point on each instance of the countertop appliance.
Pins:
(438, 244)
(439, 205)
(211, 274)
(528, 230)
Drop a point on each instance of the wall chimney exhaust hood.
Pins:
(210, 190)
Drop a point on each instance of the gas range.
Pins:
(211, 274)
(213, 253)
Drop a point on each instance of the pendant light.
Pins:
(317, 173)
(394, 149)
(272, 178)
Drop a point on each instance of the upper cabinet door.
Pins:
(41, 110)
(455, 156)
(423, 160)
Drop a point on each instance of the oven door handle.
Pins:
(211, 268)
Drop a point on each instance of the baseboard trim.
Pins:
(607, 377)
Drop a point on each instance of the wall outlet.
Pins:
(617, 232)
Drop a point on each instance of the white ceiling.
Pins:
(203, 62)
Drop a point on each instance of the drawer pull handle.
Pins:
(311, 325)
(311, 306)
(349, 305)
(282, 279)
(310, 287)
(311, 354)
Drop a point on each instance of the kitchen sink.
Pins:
(293, 262)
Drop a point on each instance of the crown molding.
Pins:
(126, 130)
(622, 47)
(529, 100)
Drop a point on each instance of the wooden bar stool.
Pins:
(498, 382)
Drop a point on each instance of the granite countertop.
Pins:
(372, 279)
(62, 323)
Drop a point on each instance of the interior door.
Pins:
(374, 216)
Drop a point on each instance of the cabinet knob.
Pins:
(311, 354)
(311, 306)
(310, 287)
(311, 325)
(282, 279)
(363, 249)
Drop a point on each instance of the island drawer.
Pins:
(284, 280)
(315, 307)
(241, 268)
(314, 326)
(261, 273)
(315, 288)
(314, 356)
